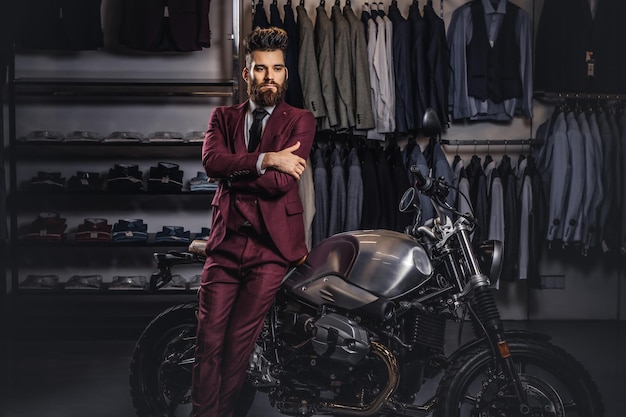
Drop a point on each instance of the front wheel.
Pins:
(556, 384)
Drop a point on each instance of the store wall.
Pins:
(592, 287)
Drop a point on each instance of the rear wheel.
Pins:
(160, 369)
(555, 383)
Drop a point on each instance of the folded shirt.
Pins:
(128, 282)
(46, 182)
(197, 136)
(203, 235)
(158, 137)
(84, 282)
(172, 234)
(40, 282)
(124, 137)
(177, 283)
(130, 230)
(166, 177)
(83, 136)
(48, 226)
(125, 178)
(43, 136)
(85, 182)
(93, 230)
(200, 183)
(194, 282)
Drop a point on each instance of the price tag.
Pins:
(590, 63)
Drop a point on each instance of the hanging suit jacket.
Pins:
(438, 57)
(259, 18)
(320, 183)
(364, 118)
(313, 98)
(372, 211)
(566, 31)
(342, 71)
(224, 155)
(419, 67)
(559, 175)
(158, 25)
(337, 195)
(59, 24)
(325, 52)
(573, 211)
(404, 85)
(294, 90)
(354, 190)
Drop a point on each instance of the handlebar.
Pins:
(429, 186)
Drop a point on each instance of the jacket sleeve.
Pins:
(273, 182)
(218, 160)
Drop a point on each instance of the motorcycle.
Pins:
(359, 327)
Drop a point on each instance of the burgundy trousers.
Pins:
(239, 282)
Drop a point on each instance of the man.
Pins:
(257, 230)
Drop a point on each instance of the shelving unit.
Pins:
(86, 308)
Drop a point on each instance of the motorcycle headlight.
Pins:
(490, 254)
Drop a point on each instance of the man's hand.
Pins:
(285, 161)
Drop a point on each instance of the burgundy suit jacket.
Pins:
(224, 156)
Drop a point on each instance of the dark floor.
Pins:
(59, 377)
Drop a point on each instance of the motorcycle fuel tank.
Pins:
(356, 268)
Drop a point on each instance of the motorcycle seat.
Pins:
(198, 247)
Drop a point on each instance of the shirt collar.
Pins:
(489, 7)
(252, 106)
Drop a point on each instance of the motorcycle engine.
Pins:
(339, 338)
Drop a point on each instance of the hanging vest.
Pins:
(494, 71)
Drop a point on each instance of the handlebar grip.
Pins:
(423, 183)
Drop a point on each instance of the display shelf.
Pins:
(55, 94)
(116, 87)
(90, 151)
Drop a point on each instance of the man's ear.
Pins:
(245, 74)
(286, 73)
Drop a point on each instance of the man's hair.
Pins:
(264, 39)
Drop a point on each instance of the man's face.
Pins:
(266, 77)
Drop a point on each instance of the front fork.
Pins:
(487, 314)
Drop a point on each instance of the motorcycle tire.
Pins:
(159, 385)
(556, 384)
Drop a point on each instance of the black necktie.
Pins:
(257, 126)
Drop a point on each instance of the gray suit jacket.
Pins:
(343, 74)
(307, 66)
(364, 117)
(325, 50)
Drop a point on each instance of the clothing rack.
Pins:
(489, 142)
(582, 96)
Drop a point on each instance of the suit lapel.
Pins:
(239, 136)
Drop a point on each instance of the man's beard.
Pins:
(267, 97)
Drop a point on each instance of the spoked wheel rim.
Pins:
(488, 394)
(169, 382)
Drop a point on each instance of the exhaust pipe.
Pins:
(385, 394)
